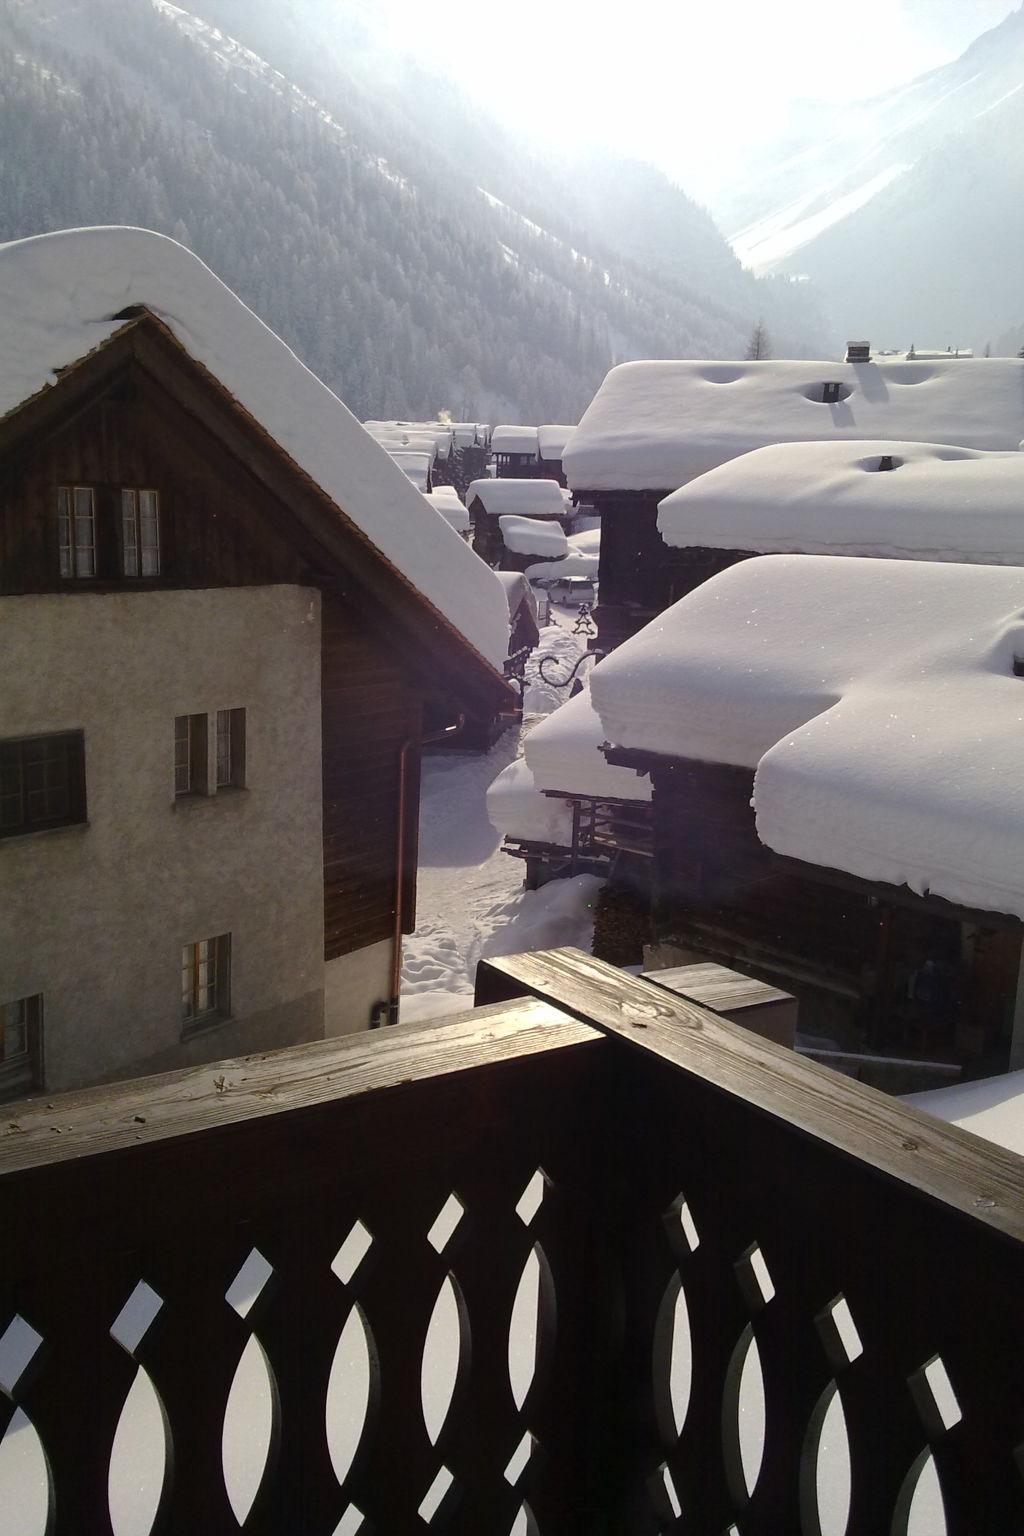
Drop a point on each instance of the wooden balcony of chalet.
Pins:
(696, 1204)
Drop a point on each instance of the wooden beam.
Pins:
(85, 1122)
(962, 1171)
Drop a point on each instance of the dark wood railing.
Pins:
(701, 1192)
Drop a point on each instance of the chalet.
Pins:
(487, 500)
(529, 541)
(655, 426)
(515, 451)
(418, 466)
(228, 626)
(445, 500)
(906, 501)
(551, 441)
(832, 745)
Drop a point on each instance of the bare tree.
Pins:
(760, 343)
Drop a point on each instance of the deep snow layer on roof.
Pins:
(514, 439)
(519, 592)
(516, 808)
(937, 503)
(654, 425)
(59, 295)
(445, 499)
(552, 438)
(533, 536)
(564, 753)
(415, 465)
(527, 498)
(875, 698)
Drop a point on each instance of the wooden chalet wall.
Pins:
(639, 575)
(220, 526)
(719, 890)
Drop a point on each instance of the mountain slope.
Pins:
(406, 248)
(906, 209)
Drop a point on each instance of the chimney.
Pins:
(858, 351)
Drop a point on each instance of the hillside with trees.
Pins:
(412, 254)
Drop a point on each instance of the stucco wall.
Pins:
(94, 917)
(353, 983)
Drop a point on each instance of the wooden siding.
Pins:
(369, 711)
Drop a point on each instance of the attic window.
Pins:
(885, 462)
(1018, 666)
(830, 393)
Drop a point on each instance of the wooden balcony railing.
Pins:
(684, 1274)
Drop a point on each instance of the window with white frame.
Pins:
(20, 1045)
(230, 748)
(206, 980)
(190, 749)
(140, 532)
(76, 530)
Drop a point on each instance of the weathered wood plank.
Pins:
(951, 1165)
(89, 1121)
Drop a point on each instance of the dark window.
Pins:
(230, 748)
(831, 393)
(76, 530)
(21, 1023)
(206, 980)
(190, 766)
(42, 783)
(140, 532)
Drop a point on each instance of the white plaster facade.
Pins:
(94, 917)
(353, 985)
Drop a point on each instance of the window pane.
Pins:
(182, 754)
(85, 532)
(186, 980)
(129, 533)
(223, 747)
(64, 530)
(149, 532)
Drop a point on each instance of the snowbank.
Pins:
(516, 808)
(445, 499)
(654, 425)
(60, 295)
(875, 698)
(525, 498)
(564, 753)
(514, 440)
(533, 536)
(936, 503)
(992, 1107)
(561, 913)
(552, 439)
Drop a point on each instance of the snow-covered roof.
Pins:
(415, 465)
(426, 436)
(936, 503)
(587, 543)
(516, 808)
(527, 498)
(992, 1107)
(876, 700)
(60, 295)
(518, 591)
(514, 440)
(585, 567)
(654, 425)
(564, 753)
(552, 439)
(533, 536)
(445, 499)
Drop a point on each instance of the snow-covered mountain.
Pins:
(908, 207)
(410, 250)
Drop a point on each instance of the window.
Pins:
(42, 783)
(230, 748)
(831, 393)
(140, 533)
(76, 527)
(190, 770)
(206, 979)
(20, 1045)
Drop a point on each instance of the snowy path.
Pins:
(469, 897)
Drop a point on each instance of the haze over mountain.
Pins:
(409, 249)
(906, 209)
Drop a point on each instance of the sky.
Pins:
(683, 83)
